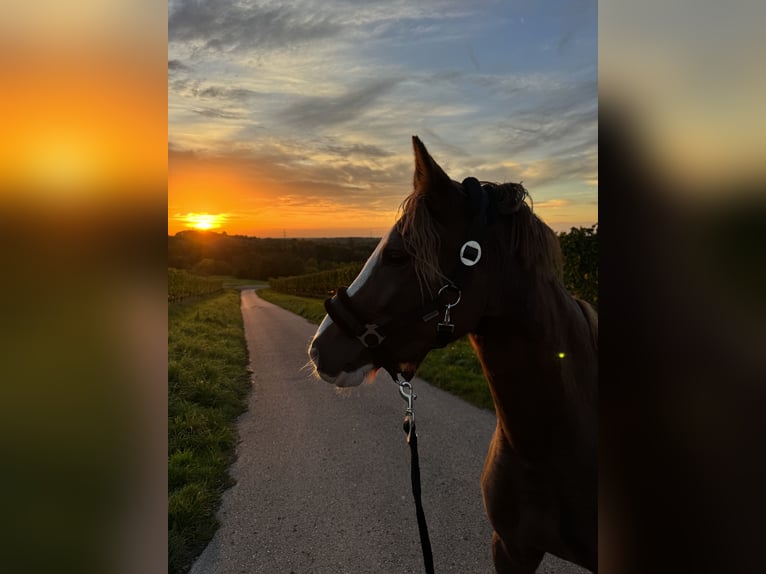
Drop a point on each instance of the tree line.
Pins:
(580, 248)
(210, 253)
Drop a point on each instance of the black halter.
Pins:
(372, 335)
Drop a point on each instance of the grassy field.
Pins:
(207, 385)
(454, 368)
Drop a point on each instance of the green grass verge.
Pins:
(455, 368)
(207, 385)
(308, 307)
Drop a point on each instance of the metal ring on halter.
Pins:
(449, 286)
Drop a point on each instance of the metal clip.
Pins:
(407, 393)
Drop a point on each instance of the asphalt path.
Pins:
(323, 477)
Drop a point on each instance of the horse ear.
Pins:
(429, 177)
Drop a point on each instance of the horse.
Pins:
(473, 259)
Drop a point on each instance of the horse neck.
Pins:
(543, 400)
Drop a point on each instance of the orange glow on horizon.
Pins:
(248, 198)
(245, 197)
(203, 221)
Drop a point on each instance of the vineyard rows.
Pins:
(182, 285)
(319, 285)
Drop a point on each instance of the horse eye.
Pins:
(394, 257)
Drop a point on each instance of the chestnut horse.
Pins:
(472, 258)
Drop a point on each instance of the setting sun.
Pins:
(203, 221)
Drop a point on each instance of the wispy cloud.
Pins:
(312, 112)
(221, 114)
(232, 26)
(174, 65)
(553, 204)
(223, 93)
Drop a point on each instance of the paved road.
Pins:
(322, 475)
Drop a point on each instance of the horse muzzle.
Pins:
(338, 359)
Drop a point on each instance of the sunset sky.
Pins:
(295, 118)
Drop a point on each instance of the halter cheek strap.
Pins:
(469, 255)
(470, 252)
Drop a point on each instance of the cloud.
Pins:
(564, 117)
(314, 112)
(223, 93)
(221, 114)
(559, 170)
(356, 174)
(235, 26)
(538, 129)
(553, 203)
(176, 65)
(358, 150)
(177, 152)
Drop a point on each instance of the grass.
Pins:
(308, 307)
(207, 385)
(455, 368)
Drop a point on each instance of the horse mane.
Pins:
(524, 234)
(591, 318)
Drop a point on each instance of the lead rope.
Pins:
(407, 393)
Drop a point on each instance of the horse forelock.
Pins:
(421, 241)
(508, 197)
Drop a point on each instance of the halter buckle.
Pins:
(446, 326)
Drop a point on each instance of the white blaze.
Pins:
(360, 280)
(369, 267)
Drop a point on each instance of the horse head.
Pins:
(426, 283)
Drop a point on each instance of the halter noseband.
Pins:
(341, 309)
